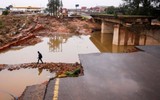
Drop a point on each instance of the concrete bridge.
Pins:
(113, 24)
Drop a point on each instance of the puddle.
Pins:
(14, 82)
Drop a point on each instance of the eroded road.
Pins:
(131, 76)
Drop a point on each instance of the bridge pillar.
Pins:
(116, 34)
(106, 27)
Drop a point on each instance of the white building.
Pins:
(28, 9)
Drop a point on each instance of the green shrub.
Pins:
(6, 12)
(75, 73)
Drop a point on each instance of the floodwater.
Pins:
(104, 43)
(59, 48)
(14, 82)
(62, 48)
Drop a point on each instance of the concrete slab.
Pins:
(154, 50)
(108, 76)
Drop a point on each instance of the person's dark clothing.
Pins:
(39, 57)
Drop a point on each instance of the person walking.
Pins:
(39, 57)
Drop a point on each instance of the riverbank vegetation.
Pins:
(137, 7)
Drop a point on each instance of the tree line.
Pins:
(137, 7)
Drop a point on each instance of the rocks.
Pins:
(59, 68)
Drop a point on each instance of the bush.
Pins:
(6, 12)
(75, 73)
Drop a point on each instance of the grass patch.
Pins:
(75, 73)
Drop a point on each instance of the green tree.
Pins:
(140, 7)
(132, 6)
(6, 12)
(54, 7)
(110, 10)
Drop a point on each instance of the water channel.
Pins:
(59, 48)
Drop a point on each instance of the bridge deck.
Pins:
(123, 19)
(121, 16)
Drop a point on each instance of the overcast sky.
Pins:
(66, 3)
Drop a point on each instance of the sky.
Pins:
(66, 3)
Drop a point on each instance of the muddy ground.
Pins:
(14, 28)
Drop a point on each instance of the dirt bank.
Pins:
(17, 28)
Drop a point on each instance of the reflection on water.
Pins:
(59, 48)
(55, 42)
(15, 82)
(62, 48)
(127, 41)
(6, 96)
(104, 43)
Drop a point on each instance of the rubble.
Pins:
(58, 68)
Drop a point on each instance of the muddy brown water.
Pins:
(14, 82)
(56, 49)
(60, 48)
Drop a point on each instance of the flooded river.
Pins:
(60, 48)
(56, 49)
